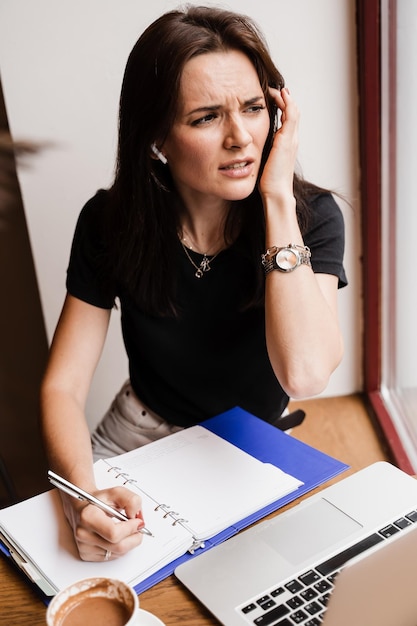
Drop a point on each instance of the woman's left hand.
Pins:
(277, 177)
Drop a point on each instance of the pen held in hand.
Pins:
(78, 493)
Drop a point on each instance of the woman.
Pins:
(188, 239)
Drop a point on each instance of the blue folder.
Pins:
(270, 445)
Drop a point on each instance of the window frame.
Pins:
(371, 135)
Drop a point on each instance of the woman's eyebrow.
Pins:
(205, 109)
(216, 107)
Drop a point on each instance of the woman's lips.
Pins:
(238, 169)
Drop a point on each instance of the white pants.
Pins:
(128, 424)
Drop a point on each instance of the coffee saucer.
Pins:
(144, 618)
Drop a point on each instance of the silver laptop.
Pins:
(346, 556)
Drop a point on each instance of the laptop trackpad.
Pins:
(310, 530)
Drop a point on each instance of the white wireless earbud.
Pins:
(159, 154)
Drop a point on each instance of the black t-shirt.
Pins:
(213, 357)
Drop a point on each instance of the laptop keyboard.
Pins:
(303, 600)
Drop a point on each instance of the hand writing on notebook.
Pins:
(98, 536)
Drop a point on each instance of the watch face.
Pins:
(287, 259)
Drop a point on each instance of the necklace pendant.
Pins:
(203, 267)
(205, 264)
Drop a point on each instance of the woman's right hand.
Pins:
(76, 348)
(98, 536)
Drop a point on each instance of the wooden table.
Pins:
(337, 426)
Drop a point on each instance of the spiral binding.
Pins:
(126, 476)
(170, 513)
(166, 508)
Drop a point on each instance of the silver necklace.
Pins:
(204, 265)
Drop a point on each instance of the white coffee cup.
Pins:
(101, 600)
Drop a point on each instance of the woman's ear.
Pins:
(158, 154)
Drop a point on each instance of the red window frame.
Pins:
(370, 117)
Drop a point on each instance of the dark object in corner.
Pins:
(285, 422)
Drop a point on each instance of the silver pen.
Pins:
(80, 494)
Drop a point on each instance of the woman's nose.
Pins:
(236, 136)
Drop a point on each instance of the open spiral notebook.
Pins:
(198, 487)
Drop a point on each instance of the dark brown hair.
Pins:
(143, 203)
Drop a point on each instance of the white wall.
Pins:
(61, 64)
